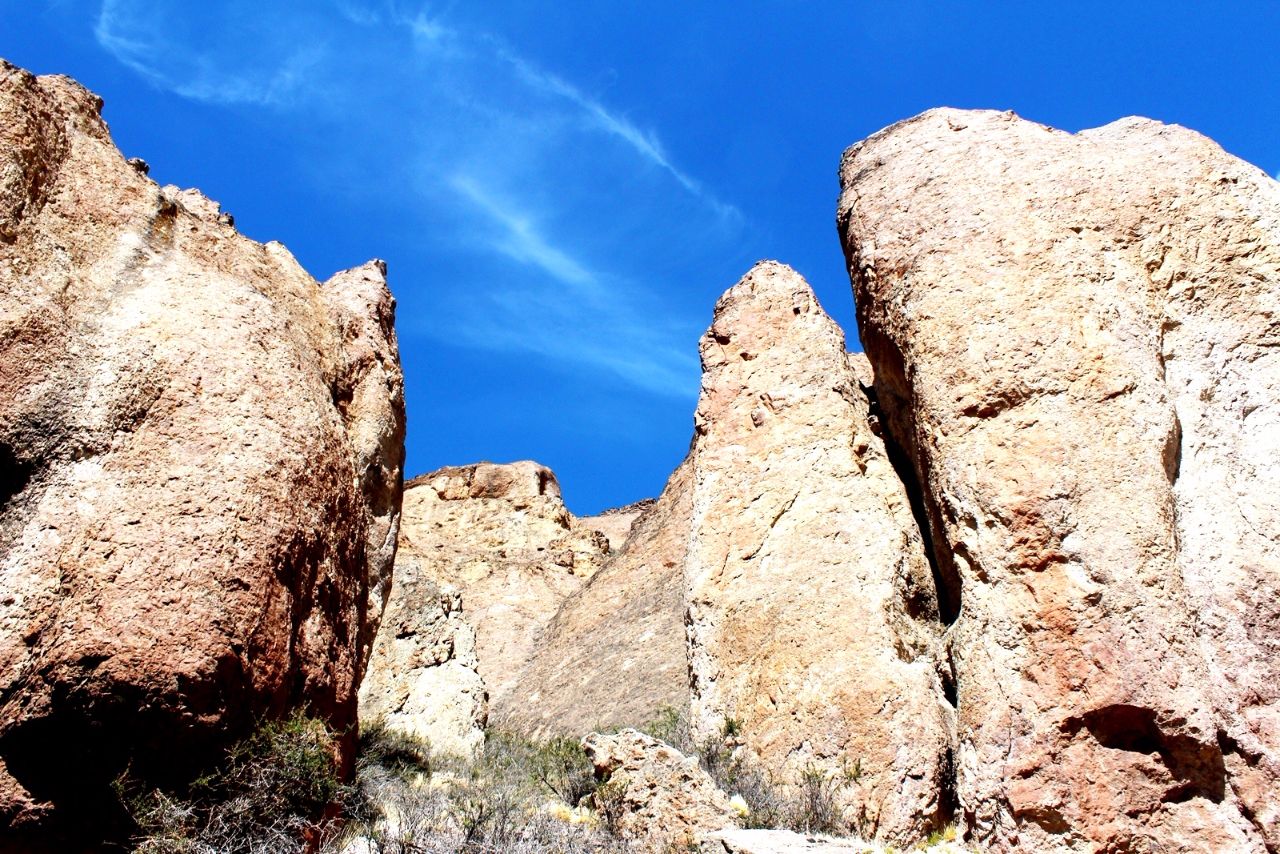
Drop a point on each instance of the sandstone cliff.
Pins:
(1074, 340)
(200, 469)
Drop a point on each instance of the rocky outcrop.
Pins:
(614, 654)
(200, 468)
(652, 795)
(812, 621)
(1075, 345)
(424, 675)
(616, 523)
(501, 536)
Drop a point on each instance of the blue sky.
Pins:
(561, 190)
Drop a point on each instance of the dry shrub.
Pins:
(268, 796)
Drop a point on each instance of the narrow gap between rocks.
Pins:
(946, 580)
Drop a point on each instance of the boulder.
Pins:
(200, 470)
(812, 621)
(652, 795)
(1074, 341)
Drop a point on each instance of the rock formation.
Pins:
(812, 621)
(424, 674)
(654, 796)
(614, 654)
(200, 469)
(1075, 344)
(500, 536)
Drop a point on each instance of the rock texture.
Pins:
(502, 537)
(424, 675)
(784, 842)
(812, 622)
(1075, 343)
(616, 523)
(653, 795)
(200, 467)
(614, 654)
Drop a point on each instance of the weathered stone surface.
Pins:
(616, 523)
(655, 795)
(200, 452)
(740, 841)
(812, 622)
(1075, 340)
(615, 653)
(502, 537)
(423, 677)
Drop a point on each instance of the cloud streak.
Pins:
(130, 39)
(488, 151)
(647, 145)
(521, 239)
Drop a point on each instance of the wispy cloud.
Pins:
(481, 148)
(519, 238)
(133, 40)
(647, 145)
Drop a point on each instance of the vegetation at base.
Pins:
(811, 804)
(275, 790)
(517, 795)
(269, 795)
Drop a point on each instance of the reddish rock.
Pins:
(200, 468)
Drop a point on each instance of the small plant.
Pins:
(939, 837)
(731, 728)
(563, 767)
(670, 725)
(817, 808)
(610, 803)
(393, 750)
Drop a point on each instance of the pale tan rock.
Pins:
(502, 537)
(614, 655)
(812, 622)
(740, 841)
(423, 678)
(652, 794)
(200, 467)
(1074, 337)
(616, 523)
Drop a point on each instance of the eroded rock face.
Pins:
(501, 536)
(653, 795)
(812, 623)
(424, 675)
(1074, 340)
(200, 468)
(614, 654)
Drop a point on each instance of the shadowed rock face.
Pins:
(1075, 345)
(200, 469)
